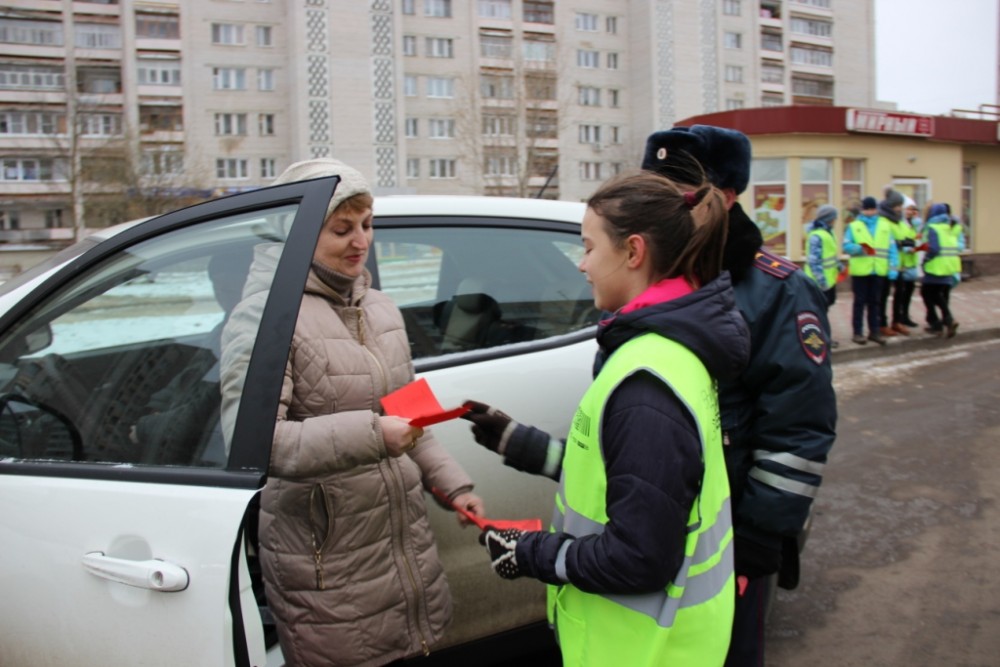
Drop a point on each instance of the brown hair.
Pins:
(355, 203)
(685, 229)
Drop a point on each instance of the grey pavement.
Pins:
(975, 305)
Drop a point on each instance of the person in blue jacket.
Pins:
(779, 415)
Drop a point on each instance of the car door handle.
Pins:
(156, 575)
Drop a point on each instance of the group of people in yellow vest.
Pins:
(884, 245)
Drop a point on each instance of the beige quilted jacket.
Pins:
(350, 567)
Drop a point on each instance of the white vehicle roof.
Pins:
(505, 207)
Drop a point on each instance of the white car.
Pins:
(127, 525)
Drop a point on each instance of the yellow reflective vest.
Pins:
(877, 264)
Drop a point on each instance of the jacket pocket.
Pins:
(320, 527)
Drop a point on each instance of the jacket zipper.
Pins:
(316, 542)
(400, 488)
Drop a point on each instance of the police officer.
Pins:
(779, 416)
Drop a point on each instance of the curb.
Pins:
(848, 351)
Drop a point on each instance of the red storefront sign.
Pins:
(885, 122)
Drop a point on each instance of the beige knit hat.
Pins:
(351, 181)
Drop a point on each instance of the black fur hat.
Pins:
(724, 154)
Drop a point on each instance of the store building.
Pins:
(808, 156)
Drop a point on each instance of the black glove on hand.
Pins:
(753, 559)
(490, 427)
(501, 545)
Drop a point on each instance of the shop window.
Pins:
(852, 178)
(814, 179)
(769, 184)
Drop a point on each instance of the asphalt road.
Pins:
(903, 562)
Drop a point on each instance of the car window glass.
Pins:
(472, 288)
(121, 364)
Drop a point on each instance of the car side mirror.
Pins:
(39, 339)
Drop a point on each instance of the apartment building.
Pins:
(167, 102)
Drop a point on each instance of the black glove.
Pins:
(490, 427)
(753, 559)
(501, 545)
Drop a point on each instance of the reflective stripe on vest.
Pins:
(689, 621)
(828, 258)
(877, 264)
(948, 261)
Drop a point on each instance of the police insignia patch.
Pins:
(812, 337)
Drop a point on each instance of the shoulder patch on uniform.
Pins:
(772, 264)
(812, 337)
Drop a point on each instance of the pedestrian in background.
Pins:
(891, 209)
(640, 553)
(869, 242)
(822, 262)
(909, 272)
(942, 269)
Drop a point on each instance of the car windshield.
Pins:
(63, 256)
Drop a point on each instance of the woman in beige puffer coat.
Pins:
(350, 568)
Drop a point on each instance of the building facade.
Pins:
(111, 109)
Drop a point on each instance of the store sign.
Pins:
(884, 122)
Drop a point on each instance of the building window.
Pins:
(162, 162)
(614, 98)
(53, 218)
(496, 45)
(442, 168)
(494, 9)
(10, 219)
(612, 61)
(229, 78)
(440, 47)
(410, 85)
(157, 26)
(409, 7)
(616, 134)
(539, 50)
(852, 183)
(31, 77)
(159, 72)
(440, 87)
(539, 11)
(772, 74)
(411, 128)
(540, 87)
(811, 27)
(441, 128)
(542, 124)
(265, 79)
(589, 96)
(588, 59)
(590, 134)
(31, 122)
(267, 168)
(265, 35)
(500, 164)
(611, 25)
(160, 119)
(409, 45)
(772, 100)
(412, 167)
(590, 171)
(815, 56)
(815, 181)
(734, 74)
(770, 41)
(100, 124)
(265, 124)
(230, 124)
(437, 8)
(31, 169)
(823, 4)
(97, 36)
(968, 181)
(496, 86)
(231, 168)
(811, 87)
(229, 34)
(769, 179)
(732, 40)
(731, 7)
(498, 125)
(586, 22)
(733, 103)
(36, 33)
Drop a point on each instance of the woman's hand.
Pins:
(472, 504)
(398, 435)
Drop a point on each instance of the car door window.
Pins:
(472, 288)
(121, 364)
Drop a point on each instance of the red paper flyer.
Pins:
(484, 523)
(417, 403)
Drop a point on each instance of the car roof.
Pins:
(505, 207)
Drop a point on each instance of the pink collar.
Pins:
(667, 289)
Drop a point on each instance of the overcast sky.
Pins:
(933, 56)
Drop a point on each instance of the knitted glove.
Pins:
(753, 559)
(490, 427)
(501, 545)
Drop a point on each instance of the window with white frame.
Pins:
(731, 7)
(32, 169)
(442, 168)
(499, 125)
(265, 35)
(437, 8)
(772, 74)
(811, 27)
(159, 72)
(97, 36)
(542, 123)
(229, 78)
(100, 124)
(500, 164)
(10, 219)
(732, 40)
(31, 77)
(496, 44)
(496, 86)
(410, 85)
(156, 118)
(440, 87)
(413, 167)
(611, 25)
(588, 58)
(540, 86)
(409, 45)
(411, 128)
(612, 60)
(440, 47)
(590, 134)
(265, 124)
(160, 162)
(589, 96)
(772, 100)
(614, 97)
(586, 22)
(824, 4)
(157, 26)
(733, 103)
(409, 7)
(230, 34)
(53, 218)
(494, 9)
(590, 171)
(811, 55)
(31, 122)
(267, 167)
(230, 124)
(616, 134)
(231, 168)
(539, 49)
(265, 79)
(441, 128)
(734, 74)
(36, 33)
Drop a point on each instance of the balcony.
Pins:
(36, 235)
